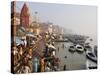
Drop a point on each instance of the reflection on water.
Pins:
(74, 61)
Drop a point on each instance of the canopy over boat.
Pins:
(51, 46)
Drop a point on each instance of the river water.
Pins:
(73, 61)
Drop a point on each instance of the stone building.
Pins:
(24, 16)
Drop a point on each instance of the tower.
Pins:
(24, 16)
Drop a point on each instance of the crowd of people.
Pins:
(24, 62)
(21, 59)
(50, 59)
(48, 62)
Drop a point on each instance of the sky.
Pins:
(81, 19)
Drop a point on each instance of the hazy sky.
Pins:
(80, 19)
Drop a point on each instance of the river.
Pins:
(73, 61)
